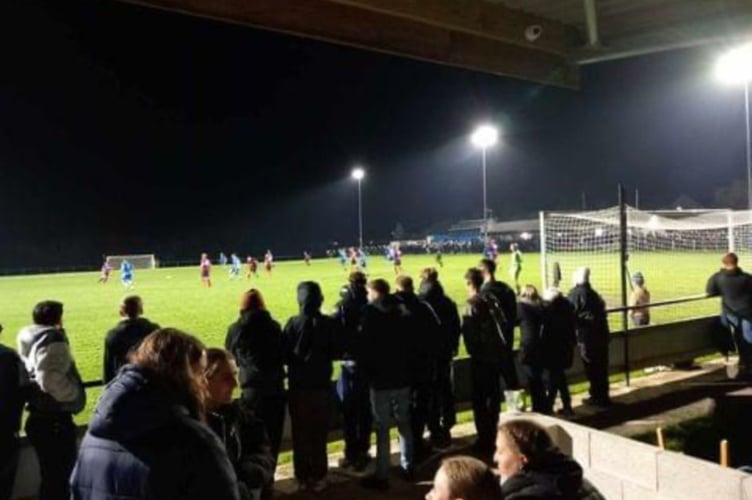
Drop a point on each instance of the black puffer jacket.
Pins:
(255, 340)
(735, 288)
(13, 393)
(246, 443)
(383, 348)
(143, 444)
(555, 477)
(446, 309)
(310, 342)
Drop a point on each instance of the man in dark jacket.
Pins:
(484, 342)
(56, 394)
(126, 336)
(352, 386)
(507, 299)
(734, 286)
(12, 389)
(255, 340)
(593, 336)
(441, 414)
(559, 340)
(311, 345)
(384, 355)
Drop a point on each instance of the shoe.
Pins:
(598, 403)
(375, 483)
(345, 463)
(565, 412)
(300, 486)
(319, 486)
(441, 442)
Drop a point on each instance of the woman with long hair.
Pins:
(255, 341)
(147, 438)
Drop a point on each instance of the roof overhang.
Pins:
(536, 40)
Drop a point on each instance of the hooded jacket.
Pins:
(445, 308)
(383, 350)
(121, 340)
(310, 342)
(255, 340)
(735, 288)
(142, 443)
(57, 385)
(555, 477)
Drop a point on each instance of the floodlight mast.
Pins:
(358, 173)
(484, 137)
(735, 67)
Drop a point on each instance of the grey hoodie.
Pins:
(47, 357)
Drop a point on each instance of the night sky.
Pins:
(130, 130)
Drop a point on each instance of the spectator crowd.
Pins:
(167, 425)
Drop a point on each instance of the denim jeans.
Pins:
(356, 411)
(388, 403)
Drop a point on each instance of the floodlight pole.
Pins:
(485, 200)
(360, 215)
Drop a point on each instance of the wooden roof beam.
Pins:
(381, 30)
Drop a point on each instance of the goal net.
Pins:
(142, 261)
(675, 250)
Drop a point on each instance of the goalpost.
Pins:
(657, 242)
(139, 261)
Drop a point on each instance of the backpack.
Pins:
(499, 322)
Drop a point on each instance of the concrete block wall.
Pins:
(624, 469)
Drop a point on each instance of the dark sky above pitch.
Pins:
(124, 129)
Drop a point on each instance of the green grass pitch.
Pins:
(175, 297)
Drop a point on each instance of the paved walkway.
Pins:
(659, 399)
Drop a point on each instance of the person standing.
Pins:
(125, 337)
(205, 269)
(559, 341)
(13, 387)
(268, 262)
(126, 274)
(423, 332)
(640, 298)
(384, 356)
(484, 342)
(515, 266)
(507, 300)
(56, 394)
(352, 386)
(311, 345)
(734, 286)
(591, 326)
(530, 315)
(255, 340)
(441, 413)
(105, 271)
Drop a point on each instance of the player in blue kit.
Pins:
(126, 274)
(234, 266)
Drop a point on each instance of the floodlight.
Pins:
(485, 136)
(358, 173)
(735, 66)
